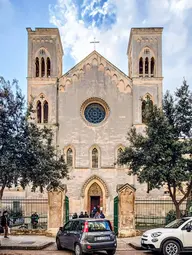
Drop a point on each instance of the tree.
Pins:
(27, 154)
(162, 154)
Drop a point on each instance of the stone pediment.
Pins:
(95, 60)
(60, 188)
(122, 187)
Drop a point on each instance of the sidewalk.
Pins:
(41, 242)
(133, 243)
(26, 242)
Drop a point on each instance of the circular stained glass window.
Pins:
(94, 113)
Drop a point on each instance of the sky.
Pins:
(109, 21)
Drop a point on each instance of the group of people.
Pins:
(96, 213)
(81, 215)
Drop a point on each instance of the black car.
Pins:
(87, 236)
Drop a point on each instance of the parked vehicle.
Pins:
(87, 236)
(174, 238)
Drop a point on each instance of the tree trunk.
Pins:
(188, 204)
(178, 213)
(1, 192)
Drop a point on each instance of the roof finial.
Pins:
(95, 42)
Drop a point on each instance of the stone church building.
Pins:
(91, 107)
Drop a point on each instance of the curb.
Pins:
(18, 247)
(135, 246)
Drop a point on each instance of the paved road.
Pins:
(51, 250)
(5, 252)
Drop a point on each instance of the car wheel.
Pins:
(171, 248)
(111, 252)
(59, 247)
(78, 250)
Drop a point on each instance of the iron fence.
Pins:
(152, 213)
(148, 213)
(21, 209)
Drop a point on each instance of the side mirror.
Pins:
(188, 228)
(61, 228)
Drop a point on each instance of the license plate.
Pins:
(102, 238)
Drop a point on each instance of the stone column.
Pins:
(126, 208)
(56, 208)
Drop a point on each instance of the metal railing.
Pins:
(152, 212)
(21, 209)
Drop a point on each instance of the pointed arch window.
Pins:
(70, 157)
(42, 67)
(45, 112)
(141, 66)
(48, 67)
(152, 66)
(95, 158)
(119, 151)
(147, 105)
(37, 67)
(39, 112)
(146, 66)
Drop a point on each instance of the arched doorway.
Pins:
(94, 190)
(95, 197)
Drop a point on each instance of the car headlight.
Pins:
(156, 234)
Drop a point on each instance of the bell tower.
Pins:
(45, 54)
(145, 69)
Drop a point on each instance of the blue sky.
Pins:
(108, 20)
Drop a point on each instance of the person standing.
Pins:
(5, 223)
(75, 216)
(97, 215)
(102, 216)
(86, 215)
(94, 211)
(34, 220)
(81, 215)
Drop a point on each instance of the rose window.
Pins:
(94, 113)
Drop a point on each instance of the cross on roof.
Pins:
(95, 42)
(42, 97)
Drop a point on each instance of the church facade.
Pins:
(90, 109)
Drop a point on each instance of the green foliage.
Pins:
(27, 153)
(16, 213)
(161, 155)
(171, 216)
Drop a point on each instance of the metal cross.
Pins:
(95, 42)
(42, 97)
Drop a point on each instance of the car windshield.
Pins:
(176, 223)
(99, 226)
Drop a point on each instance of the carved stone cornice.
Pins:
(61, 187)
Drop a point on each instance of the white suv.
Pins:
(170, 240)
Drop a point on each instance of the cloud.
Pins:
(110, 22)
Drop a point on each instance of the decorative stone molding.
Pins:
(121, 187)
(126, 207)
(60, 188)
(96, 60)
(92, 178)
(56, 198)
(147, 30)
(94, 100)
(70, 146)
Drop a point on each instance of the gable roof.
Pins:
(100, 56)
